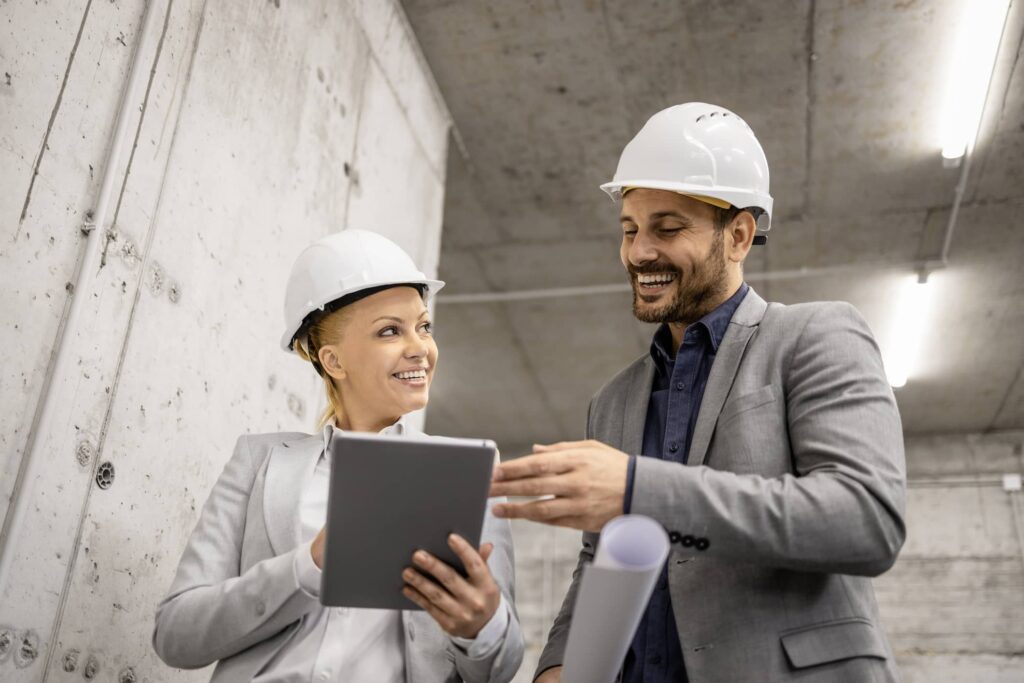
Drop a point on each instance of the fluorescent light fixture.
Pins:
(911, 317)
(974, 58)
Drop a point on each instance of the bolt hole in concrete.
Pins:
(6, 640)
(70, 662)
(28, 651)
(127, 675)
(92, 667)
(105, 475)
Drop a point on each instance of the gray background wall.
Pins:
(261, 127)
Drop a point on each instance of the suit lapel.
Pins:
(723, 371)
(290, 466)
(635, 411)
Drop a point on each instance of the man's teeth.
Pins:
(655, 278)
(414, 374)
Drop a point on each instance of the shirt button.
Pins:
(325, 675)
(673, 447)
(261, 608)
(412, 633)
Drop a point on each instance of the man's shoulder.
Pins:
(792, 319)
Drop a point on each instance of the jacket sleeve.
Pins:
(501, 664)
(841, 510)
(213, 611)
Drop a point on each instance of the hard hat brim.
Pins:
(433, 287)
(736, 197)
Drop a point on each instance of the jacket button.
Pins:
(687, 541)
(673, 447)
(702, 544)
(674, 536)
(261, 608)
(679, 386)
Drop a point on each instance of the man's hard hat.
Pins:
(342, 264)
(700, 150)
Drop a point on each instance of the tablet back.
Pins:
(390, 496)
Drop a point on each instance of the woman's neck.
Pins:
(364, 423)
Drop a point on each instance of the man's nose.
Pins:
(641, 250)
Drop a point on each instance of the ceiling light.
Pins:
(974, 58)
(909, 325)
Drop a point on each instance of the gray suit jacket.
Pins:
(235, 597)
(793, 495)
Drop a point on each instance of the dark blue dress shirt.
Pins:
(655, 655)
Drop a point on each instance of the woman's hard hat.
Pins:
(700, 150)
(341, 264)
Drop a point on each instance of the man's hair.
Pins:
(723, 217)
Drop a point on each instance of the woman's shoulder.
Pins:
(259, 444)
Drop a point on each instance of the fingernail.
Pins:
(420, 556)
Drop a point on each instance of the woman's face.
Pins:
(386, 354)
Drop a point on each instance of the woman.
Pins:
(246, 590)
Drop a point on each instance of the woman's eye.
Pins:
(427, 327)
(389, 332)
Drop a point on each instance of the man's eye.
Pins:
(628, 233)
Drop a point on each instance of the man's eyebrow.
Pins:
(671, 214)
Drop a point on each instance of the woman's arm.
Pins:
(212, 612)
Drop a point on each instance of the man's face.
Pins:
(674, 255)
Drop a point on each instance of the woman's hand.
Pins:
(460, 606)
(317, 549)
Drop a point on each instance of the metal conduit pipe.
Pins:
(86, 273)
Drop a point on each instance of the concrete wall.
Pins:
(953, 605)
(261, 126)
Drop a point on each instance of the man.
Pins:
(764, 438)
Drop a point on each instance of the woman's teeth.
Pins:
(414, 374)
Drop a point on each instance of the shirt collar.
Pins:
(713, 326)
(397, 429)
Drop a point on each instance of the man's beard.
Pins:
(695, 295)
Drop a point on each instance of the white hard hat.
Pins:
(341, 264)
(700, 150)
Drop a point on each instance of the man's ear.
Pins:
(330, 362)
(741, 233)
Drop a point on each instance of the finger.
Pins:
(476, 566)
(560, 446)
(437, 595)
(442, 618)
(540, 510)
(539, 465)
(485, 551)
(449, 578)
(559, 485)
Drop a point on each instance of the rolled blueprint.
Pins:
(612, 597)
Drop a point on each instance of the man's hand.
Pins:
(460, 606)
(552, 675)
(586, 478)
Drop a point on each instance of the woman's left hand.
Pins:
(460, 606)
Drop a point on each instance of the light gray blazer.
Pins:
(793, 495)
(235, 599)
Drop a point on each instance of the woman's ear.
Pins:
(330, 362)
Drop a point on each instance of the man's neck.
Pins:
(678, 330)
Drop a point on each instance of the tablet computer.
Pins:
(390, 496)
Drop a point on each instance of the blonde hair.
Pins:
(326, 329)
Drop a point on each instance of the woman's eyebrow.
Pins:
(389, 317)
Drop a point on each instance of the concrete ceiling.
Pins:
(845, 97)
